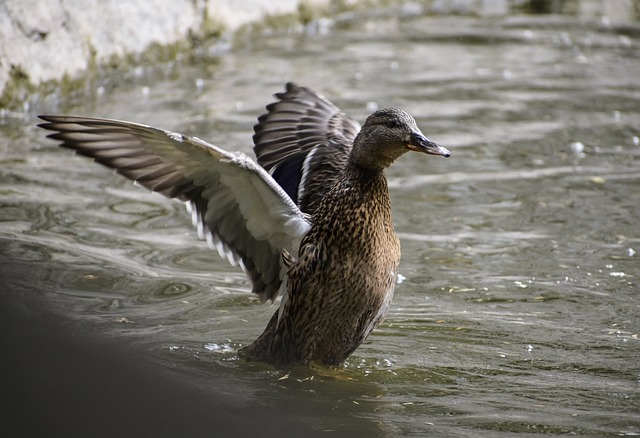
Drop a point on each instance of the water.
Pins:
(518, 313)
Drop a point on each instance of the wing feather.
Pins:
(304, 141)
(236, 205)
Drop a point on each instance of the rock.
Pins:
(45, 40)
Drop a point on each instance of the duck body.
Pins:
(342, 283)
(311, 221)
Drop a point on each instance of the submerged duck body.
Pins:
(312, 222)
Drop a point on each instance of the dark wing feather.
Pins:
(236, 205)
(304, 141)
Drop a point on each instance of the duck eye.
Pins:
(392, 124)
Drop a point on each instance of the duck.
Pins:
(308, 221)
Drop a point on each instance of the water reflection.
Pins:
(519, 308)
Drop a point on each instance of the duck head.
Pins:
(386, 135)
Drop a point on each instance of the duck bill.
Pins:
(420, 143)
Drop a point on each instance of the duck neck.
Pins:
(358, 171)
(370, 183)
(372, 158)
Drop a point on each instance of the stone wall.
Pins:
(49, 40)
(44, 40)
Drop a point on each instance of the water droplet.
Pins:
(218, 348)
(624, 40)
(582, 59)
(538, 162)
(617, 116)
(577, 147)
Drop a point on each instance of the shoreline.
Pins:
(48, 45)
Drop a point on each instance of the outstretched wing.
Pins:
(304, 141)
(236, 205)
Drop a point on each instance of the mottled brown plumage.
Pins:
(316, 228)
(342, 284)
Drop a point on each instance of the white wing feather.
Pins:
(235, 204)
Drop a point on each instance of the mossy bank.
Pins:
(62, 47)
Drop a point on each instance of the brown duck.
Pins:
(311, 222)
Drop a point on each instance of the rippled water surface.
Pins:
(518, 309)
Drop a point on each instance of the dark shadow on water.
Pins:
(61, 381)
